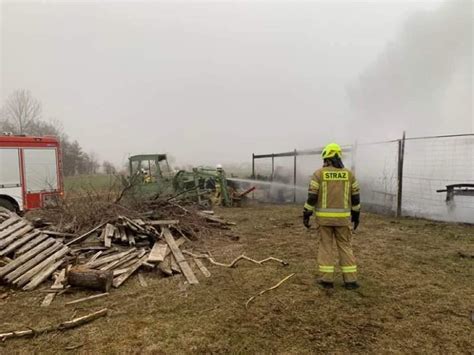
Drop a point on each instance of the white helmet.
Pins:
(219, 166)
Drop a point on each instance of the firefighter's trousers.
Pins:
(327, 257)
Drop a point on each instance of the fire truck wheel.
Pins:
(7, 205)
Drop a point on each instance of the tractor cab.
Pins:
(150, 173)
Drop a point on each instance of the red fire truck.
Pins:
(30, 172)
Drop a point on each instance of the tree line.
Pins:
(22, 114)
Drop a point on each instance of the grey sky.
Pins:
(205, 81)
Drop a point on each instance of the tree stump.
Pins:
(88, 278)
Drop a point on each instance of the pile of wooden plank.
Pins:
(105, 256)
(28, 256)
(123, 246)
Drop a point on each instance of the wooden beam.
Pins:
(10, 277)
(25, 257)
(43, 275)
(20, 281)
(20, 242)
(9, 222)
(30, 245)
(12, 228)
(6, 241)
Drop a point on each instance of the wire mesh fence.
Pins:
(430, 177)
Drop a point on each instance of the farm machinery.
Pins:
(151, 175)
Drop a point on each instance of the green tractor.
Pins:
(151, 175)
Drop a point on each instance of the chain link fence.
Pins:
(428, 177)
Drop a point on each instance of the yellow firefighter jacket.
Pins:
(334, 189)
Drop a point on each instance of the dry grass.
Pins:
(417, 296)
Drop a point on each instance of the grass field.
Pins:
(417, 296)
(96, 182)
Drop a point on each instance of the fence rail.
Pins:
(401, 176)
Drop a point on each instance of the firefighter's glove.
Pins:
(355, 218)
(306, 216)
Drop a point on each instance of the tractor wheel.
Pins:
(7, 205)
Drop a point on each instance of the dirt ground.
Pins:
(417, 296)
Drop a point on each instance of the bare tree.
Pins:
(21, 109)
(108, 168)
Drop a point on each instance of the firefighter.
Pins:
(334, 199)
(218, 194)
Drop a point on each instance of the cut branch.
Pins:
(236, 260)
(268, 289)
(62, 326)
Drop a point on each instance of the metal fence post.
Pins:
(253, 166)
(294, 178)
(273, 166)
(401, 156)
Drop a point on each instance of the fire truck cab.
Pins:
(30, 172)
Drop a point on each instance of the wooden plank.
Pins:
(188, 273)
(12, 220)
(94, 257)
(201, 267)
(140, 222)
(57, 285)
(131, 240)
(129, 263)
(165, 222)
(25, 257)
(59, 234)
(110, 258)
(30, 245)
(172, 244)
(115, 264)
(90, 248)
(107, 234)
(20, 242)
(23, 279)
(174, 266)
(121, 279)
(123, 235)
(158, 252)
(132, 223)
(142, 281)
(43, 275)
(93, 297)
(85, 235)
(6, 241)
(165, 266)
(33, 262)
